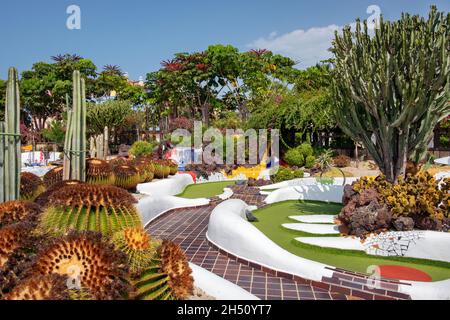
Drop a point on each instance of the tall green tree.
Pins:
(391, 89)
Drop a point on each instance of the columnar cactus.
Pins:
(75, 143)
(10, 154)
(393, 88)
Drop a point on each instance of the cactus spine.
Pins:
(392, 89)
(10, 154)
(75, 142)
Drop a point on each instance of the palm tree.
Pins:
(113, 70)
(66, 57)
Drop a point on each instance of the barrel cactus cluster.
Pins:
(85, 241)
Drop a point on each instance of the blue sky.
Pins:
(138, 34)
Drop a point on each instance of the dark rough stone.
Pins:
(370, 218)
(404, 224)
(349, 193)
(427, 223)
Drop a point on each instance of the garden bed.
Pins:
(272, 218)
(205, 190)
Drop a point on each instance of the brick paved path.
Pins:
(188, 228)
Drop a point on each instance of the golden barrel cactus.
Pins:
(146, 170)
(13, 237)
(91, 264)
(43, 198)
(17, 211)
(168, 278)
(53, 176)
(138, 246)
(99, 172)
(85, 207)
(30, 186)
(127, 177)
(40, 287)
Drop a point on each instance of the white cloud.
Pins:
(312, 45)
(307, 46)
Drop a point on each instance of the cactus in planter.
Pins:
(127, 177)
(31, 186)
(99, 172)
(75, 142)
(10, 153)
(168, 278)
(392, 89)
(138, 246)
(85, 207)
(53, 176)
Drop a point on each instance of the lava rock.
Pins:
(404, 224)
(370, 218)
(349, 194)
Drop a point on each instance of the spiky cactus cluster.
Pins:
(53, 176)
(138, 246)
(99, 267)
(99, 172)
(17, 211)
(13, 237)
(43, 198)
(106, 209)
(30, 186)
(168, 278)
(46, 287)
(146, 170)
(127, 177)
(162, 169)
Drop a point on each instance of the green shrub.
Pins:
(444, 140)
(306, 149)
(141, 148)
(294, 157)
(310, 161)
(285, 174)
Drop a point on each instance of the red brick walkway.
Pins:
(188, 228)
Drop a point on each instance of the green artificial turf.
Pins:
(272, 217)
(205, 190)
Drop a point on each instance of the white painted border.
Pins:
(218, 287)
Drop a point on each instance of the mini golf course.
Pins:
(271, 219)
(205, 190)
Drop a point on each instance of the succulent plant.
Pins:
(173, 167)
(17, 211)
(53, 176)
(168, 278)
(138, 246)
(162, 169)
(99, 268)
(40, 287)
(146, 170)
(30, 186)
(119, 161)
(417, 195)
(43, 198)
(106, 209)
(127, 177)
(13, 237)
(99, 172)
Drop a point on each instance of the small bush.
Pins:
(306, 149)
(141, 148)
(285, 174)
(342, 161)
(310, 162)
(294, 157)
